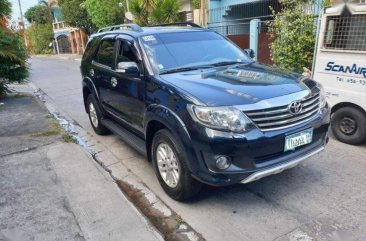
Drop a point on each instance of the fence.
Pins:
(234, 22)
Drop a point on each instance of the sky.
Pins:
(25, 5)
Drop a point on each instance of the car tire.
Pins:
(186, 186)
(348, 125)
(95, 116)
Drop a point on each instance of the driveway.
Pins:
(321, 199)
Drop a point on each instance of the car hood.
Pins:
(236, 85)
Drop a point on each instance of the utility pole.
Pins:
(22, 21)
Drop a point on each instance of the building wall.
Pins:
(225, 3)
(186, 6)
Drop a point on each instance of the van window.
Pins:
(345, 32)
(106, 52)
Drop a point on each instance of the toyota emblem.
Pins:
(295, 107)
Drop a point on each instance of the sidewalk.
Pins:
(53, 190)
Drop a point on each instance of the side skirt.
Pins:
(130, 138)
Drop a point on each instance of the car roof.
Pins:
(150, 30)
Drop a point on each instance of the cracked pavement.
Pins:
(52, 190)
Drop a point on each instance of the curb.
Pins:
(161, 216)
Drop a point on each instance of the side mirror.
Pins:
(127, 68)
(250, 52)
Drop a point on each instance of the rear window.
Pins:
(106, 52)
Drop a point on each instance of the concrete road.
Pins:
(322, 199)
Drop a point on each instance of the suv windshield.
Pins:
(190, 50)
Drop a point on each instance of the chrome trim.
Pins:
(288, 126)
(280, 168)
(101, 65)
(279, 117)
(274, 102)
(284, 122)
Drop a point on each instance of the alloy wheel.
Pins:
(168, 165)
(93, 115)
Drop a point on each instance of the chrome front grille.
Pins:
(280, 117)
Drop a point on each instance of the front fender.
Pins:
(177, 127)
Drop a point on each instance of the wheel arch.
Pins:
(89, 88)
(158, 117)
(347, 104)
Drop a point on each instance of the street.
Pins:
(322, 199)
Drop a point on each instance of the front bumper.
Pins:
(280, 168)
(254, 154)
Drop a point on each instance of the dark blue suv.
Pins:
(198, 107)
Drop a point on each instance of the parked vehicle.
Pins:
(198, 107)
(341, 67)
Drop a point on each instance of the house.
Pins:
(67, 39)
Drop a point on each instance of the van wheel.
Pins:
(170, 167)
(95, 116)
(348, 125)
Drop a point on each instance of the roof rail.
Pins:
(178, 24)
(130, 26)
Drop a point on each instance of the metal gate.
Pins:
(64, 46)
(234, 22)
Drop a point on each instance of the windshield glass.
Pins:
(169, 51)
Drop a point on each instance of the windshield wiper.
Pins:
(223, 63)
(169, 71)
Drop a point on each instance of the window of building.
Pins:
(345, 32)
(105, 53)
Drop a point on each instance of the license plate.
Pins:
(298, 139)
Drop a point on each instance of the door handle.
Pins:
(114, 82)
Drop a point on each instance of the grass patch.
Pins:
(69, 139)
(20, 95)
(55, 130)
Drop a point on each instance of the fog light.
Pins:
(223, 162)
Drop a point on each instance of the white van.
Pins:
(340, 65)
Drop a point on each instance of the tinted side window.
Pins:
(105, 53)
(91, 48)
(126, 53)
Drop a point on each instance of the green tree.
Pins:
(104, 13)
(40, 31)
(5, 8)
(39, 14)
(293, 31)
(149, 12)
(196, 4)
(166, 11)
(13, 55)
(75, 14)
(41, 36)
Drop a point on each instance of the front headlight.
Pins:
(222, 118)
(323, 100)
